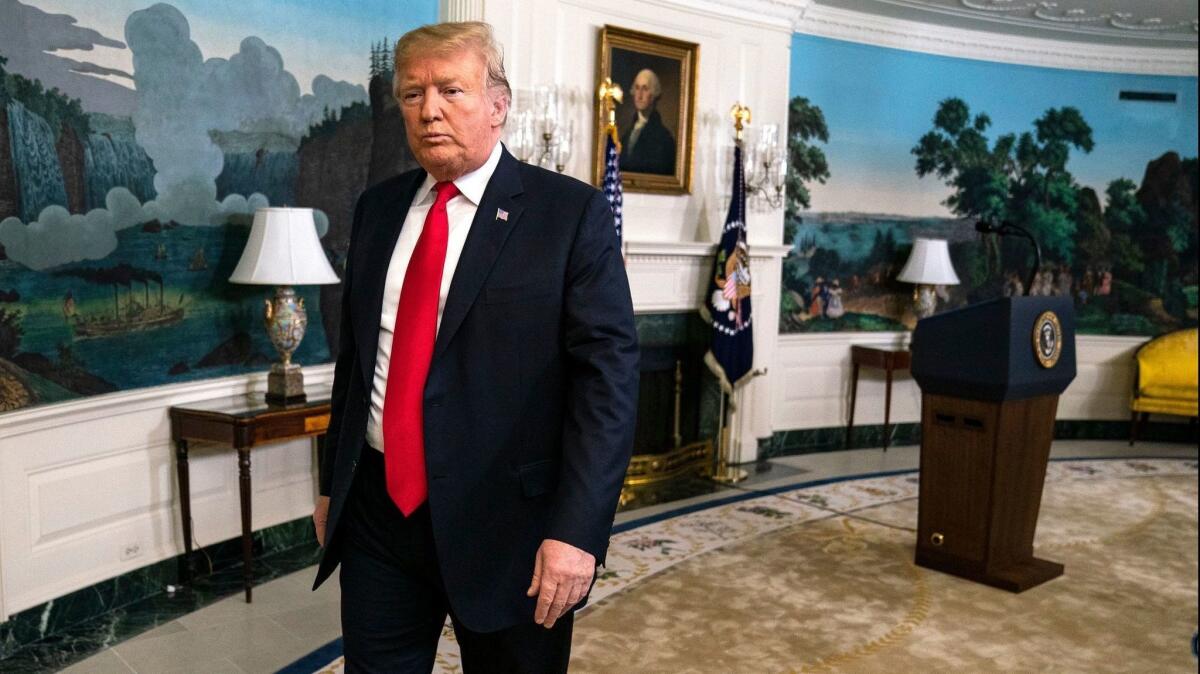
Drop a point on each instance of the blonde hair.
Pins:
(440, 39)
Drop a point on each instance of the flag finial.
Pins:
(741, 117)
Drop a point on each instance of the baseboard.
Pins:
(139, 599)
(833, 438)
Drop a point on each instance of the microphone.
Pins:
(1009, 229)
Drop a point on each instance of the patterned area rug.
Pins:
(820, 578)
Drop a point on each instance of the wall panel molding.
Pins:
(812, 390)
(81, 480)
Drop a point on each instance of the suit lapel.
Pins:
(484, 241)
(372, 265)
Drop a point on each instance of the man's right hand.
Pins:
(320, 514)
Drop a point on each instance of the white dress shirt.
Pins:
(460, 211)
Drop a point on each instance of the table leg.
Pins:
(853, 400)
(185, 508)
(247, 534)
(887, 411)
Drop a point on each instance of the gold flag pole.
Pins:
(724, 472)
(610, 93)
(741, 117)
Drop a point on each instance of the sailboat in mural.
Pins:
(199, 262)
(128, 316)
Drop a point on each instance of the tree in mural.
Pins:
(1043, 195)
(1130, 263)
(1023, 179)
(806, 161)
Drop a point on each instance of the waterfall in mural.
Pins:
(39, 176)
(272, 174)
(114, 159)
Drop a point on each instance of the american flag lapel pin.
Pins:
(501, 214)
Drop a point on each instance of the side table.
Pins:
(888, 360)
(242, 422)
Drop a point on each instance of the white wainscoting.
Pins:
(88, 488)
(813, 386)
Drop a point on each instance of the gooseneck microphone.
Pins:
(1006, 228)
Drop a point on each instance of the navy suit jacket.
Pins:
(531, 395)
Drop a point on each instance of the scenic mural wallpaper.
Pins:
(136, 141)
(888, 145)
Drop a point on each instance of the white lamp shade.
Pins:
(929, 263)
(283, 250)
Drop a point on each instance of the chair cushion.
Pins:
(1168, 392)
(1167, 365)
(1187, 408)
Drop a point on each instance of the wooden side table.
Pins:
(888, 360)
(241, 422)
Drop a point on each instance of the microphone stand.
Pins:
(1007, 228)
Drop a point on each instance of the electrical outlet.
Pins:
(130, 550)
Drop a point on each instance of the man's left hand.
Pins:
(562, 574)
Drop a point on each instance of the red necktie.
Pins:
(412, 351)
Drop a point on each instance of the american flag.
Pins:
(731, 355)
(612, 178)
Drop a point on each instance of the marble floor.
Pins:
(287, 620)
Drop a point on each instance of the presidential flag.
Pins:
(731, 356)
(612, 177)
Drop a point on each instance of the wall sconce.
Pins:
(765, 164)
(766, 168)
(543, 135)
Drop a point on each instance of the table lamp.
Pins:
(283, 251)
(928, 265)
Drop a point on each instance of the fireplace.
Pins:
(678, 401)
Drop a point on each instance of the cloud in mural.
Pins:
(182, 97)
(28, 38)
(58, 237)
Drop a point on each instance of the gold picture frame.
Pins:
(667, 126)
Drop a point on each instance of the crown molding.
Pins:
(853, 26)
(781, 15)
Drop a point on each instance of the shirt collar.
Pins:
(471, 185)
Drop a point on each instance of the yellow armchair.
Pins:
(1164, 380)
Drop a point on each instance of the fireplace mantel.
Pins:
(667, 276)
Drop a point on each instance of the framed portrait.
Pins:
(656, 118)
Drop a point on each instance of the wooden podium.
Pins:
(990, 376)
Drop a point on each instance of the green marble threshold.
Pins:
(50, 636)
(833, 438)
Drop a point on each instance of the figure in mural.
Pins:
(647, 146)
(816, 306)
(1064, 282)
(68, 306)
(1013, 287)
(1087, 286)
(835, 309)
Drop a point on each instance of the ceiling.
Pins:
(1130, 23)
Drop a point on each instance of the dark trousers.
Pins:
(394, 604)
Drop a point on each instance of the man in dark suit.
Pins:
(646, 145)
(485, 390)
